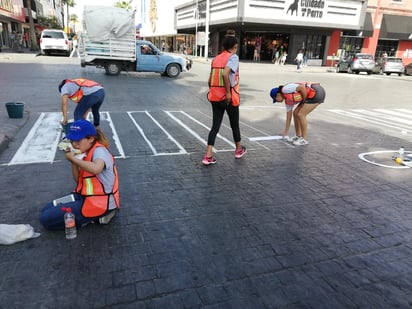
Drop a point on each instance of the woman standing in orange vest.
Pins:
(86, 93)
(224, 96)
(96, 197)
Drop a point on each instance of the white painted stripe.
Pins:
(182, 150)
(207, 128)
(197, 136)
(142, 132)
(267, 138)
(368, 119)
(169, 136)
(41, 142)
(115, 136)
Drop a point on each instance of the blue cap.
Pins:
(273, 94)
(81, 129)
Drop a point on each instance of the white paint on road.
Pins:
(40, 144)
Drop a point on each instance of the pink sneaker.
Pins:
(240, 153)
(208, 160)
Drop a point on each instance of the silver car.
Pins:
(393, 65)
(356, 63)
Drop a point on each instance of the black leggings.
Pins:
(219, 109)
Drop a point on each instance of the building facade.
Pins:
(14, 20)
(322, 29)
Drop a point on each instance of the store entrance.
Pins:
(263, 46)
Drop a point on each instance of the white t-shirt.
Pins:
(107, 176)
(71, 88)
(289, 88)
(233, 64)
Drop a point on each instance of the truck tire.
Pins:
(112, 68)
(173, 70)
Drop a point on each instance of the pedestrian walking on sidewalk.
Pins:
(299, 61)
(96, 196)
(224, 96)
(306, 96)
(75, 48)
(86, 93)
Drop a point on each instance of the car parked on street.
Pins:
(389, 65)
(408, 69)
(356, 63)
(55, 41)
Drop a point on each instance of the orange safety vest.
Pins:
(96, 200)
(81, 82)
(217, 92)
(296, 97)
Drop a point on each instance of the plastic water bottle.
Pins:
(401, 152)
(69, 223)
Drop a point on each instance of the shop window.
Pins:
(388, 47)
(315, 46)
(349, 46)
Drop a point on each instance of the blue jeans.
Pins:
(93, 101)
(52, 217)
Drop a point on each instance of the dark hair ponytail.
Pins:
(229, 42)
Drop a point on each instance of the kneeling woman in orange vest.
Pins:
(96, 197)
(224, 96)
(86, 93)
(307, 96)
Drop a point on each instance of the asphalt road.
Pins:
(284, 227)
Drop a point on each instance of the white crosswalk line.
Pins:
(395, 119)
(40, 144)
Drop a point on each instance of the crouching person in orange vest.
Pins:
(86, 93)
(96, 197)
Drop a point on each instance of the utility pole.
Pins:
(207, 30)
(196, 15)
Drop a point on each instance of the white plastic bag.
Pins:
(12, 233)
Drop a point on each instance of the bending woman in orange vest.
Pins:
(224, 96)
(97, 191)
(86, 93)
(307, 96)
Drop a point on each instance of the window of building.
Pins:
(390, 47)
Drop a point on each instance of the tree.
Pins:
(49, 22)
(124, 4)
(68, 3)
(74, 20)
(33, 40)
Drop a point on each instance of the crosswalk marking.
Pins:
(40, 144)
(115, 136)
(170, 137)
(399, 119)
(176, 132)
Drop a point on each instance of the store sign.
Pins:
(312, 8)
(308, 8)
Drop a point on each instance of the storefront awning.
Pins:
(365, 31)
(367, 28)
(396, 27)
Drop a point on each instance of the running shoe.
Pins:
(208, 160)
(240, 153)
(107, 218)
(292, 139)
(300, 142)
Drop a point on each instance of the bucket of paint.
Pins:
(15, 109)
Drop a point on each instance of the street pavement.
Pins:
(284, 227)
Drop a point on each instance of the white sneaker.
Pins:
(292, 139)
(300, 142)
(106, 219)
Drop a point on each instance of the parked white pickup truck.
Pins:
(109, 41)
